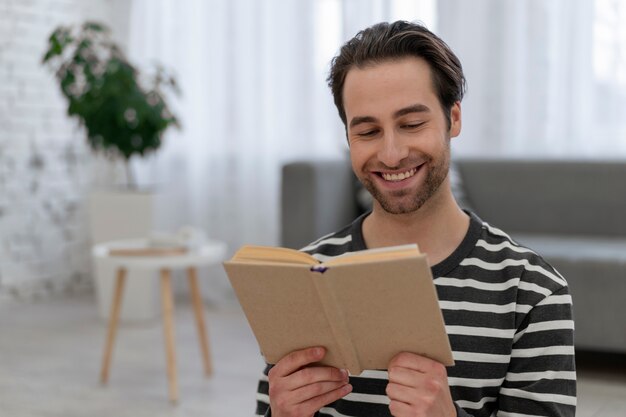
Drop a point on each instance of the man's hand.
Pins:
(418, 386)
(300, 390)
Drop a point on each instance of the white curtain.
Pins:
(248, 104)
(359, 14)
(533, 85)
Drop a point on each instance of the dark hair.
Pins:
(389, 41)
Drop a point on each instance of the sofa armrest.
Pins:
(317, 198)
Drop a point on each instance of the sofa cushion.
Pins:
(576, 248)
(548, 196)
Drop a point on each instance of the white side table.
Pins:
(143, 257)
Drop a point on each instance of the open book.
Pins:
(363, 307)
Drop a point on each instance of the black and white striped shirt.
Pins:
(508, 315)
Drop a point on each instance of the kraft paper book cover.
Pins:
(363, 307)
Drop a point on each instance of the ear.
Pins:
(455, 119)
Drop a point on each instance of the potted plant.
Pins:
(124, 116)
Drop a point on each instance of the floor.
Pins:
(50, 355)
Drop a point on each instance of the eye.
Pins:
(414, 125)
(368, 133)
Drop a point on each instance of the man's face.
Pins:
(398, 134)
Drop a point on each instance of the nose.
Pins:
(392, 150)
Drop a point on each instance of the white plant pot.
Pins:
(115, 215)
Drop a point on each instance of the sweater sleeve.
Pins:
(541, 379)
(262, 394)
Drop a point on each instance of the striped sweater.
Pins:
(508, 315)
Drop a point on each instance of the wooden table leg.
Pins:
(199, 313)
(113, 319)
(168, 326)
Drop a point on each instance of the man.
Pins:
(398, 89)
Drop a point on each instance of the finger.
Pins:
(311, 391)
(405, 376)
(428, 392)
(297, 359)
(417, 363)
(399, 409)
(313, 374)
(314, 404)
(401, 393)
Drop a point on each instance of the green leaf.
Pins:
(100, 84)
(94, 27)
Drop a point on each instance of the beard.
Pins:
(410, 200)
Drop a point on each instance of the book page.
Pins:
(391, 252)
(252, 253)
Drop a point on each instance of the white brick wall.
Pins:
(45, 165)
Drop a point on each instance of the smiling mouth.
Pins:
(399, 176)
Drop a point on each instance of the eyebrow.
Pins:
(415, 108)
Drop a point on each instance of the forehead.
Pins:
(388, 85)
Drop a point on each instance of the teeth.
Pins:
(399, 177)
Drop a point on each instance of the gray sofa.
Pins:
(571, 212)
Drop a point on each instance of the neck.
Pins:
(438, 227)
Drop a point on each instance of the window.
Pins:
(609, 70)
